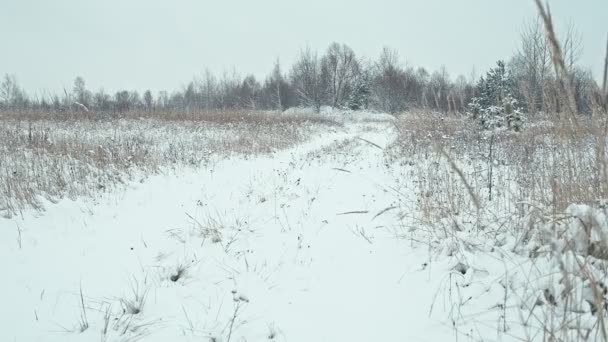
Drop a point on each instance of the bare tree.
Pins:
(340, 66)
(275, 85)
(229, 88)
(422, 75)
(102, 101)
(462, 92)
(81, 95)
(7, 89)
(572, 49)
(163, 99)
(276, 92)
(249, 93)
(148, 99)
(12, 95)
(531, 66)
(208, 88)
(307, 79)
(572, 46)
(190, 97)
(439, 86)
(388, 84)
(414, 83)
(122, 101)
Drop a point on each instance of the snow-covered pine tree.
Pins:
(495, 104)
(474, 108)
(359, 96)
(512, 113)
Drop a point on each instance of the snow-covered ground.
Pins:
(307, 244)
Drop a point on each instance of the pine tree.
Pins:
(496, 104)
(359, 97)
(512, 113)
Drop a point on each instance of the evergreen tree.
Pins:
(497, 85)
(359, 97)
(496, 104)
(512, 113)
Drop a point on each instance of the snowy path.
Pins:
(281, 248)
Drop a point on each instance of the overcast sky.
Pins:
(141, 44)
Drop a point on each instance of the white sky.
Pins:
(141, 44)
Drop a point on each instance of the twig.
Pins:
(84, 322)
(188, 318)
(236, 312)
(371, 143)
(361, 232)
(384, 211)
(354, 212)
(106, 319)
(339, 169)
(19, 240)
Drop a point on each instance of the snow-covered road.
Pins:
(286, 248)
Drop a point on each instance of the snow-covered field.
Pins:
(53, 159)
(328, 240)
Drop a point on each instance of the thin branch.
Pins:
(371, 143)
(354, 212)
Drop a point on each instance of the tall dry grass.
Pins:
(43, 157)
(477, 191)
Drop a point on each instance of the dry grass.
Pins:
(212, 116)
(473, 190)
(52, 158)
(476, 190)
(550, 163)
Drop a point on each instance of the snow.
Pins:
(306, 244)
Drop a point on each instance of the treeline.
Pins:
(339, 78)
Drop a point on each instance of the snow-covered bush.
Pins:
(564, 279)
